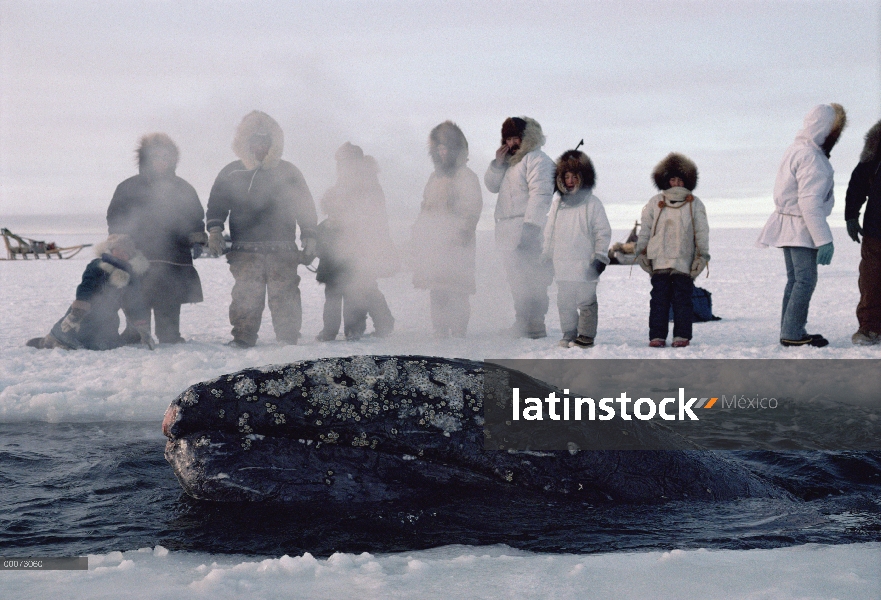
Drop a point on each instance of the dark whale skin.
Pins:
(379, 428)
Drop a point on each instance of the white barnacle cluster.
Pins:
(217, 393)
(359, 441)
(244, 387)
(331, 437)
(450, 390)
(189, 398)
(243, 423)
(221, 413)
(332, 395)
(202, 441)
(292, 378)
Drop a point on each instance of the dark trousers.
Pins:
(352, 304)
(869, 308)
(450, 312)
(670, 289)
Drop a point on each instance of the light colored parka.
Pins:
(674, 232)
(576, 234)
(803, 190)
(525, 185)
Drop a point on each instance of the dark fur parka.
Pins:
(865, 185)
(579, 163)
(675, 165)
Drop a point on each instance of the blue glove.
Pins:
(853, 229)
(530, 239)
(598, 266)
(824, 254)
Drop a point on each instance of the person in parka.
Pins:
(162, 214)
(576, 239)
(673, 247)
(803, 199)
(355, 248)
(443, 238)
(110, 283)
(523, 177)
(266, 199)
(865, 188)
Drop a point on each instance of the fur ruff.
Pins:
(119, 278)
(533, 139)
(155, 141)
(258, 123)
(872, 147)
(574, 161)
(675, 165)
(448, 134)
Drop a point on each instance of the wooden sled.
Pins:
(25, 247)
(623, 253)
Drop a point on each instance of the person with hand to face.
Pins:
(803, 199)
(523, 177)
(266, 199)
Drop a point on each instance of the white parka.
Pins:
(525, 185)
(674, 230)
(576, 234)
(803, 190)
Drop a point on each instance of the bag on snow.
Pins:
(701, 306)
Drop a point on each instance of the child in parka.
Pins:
(673, 247)
(576, 239)
(110, 283)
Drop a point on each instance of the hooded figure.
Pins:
(443, 243)
(673, 247)
(163, 216)
(523, 177)
(266, 199)
(110, 283)
(355, 248)
(803, 200)
(576, 240)
(865, 188)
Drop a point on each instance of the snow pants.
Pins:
(351, 304)
(529, 278)
(257, 275)
(450, 312)
(577, 304)
(670, 289)
(869, 308)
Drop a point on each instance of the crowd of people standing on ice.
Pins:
(549, 226)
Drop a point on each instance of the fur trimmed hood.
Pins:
(575, 161)
(822, 126)
(872, 145)
(120, 277)
(448, 134)
(675, 165)
(533, 138)
(258, 123)
(151, 143)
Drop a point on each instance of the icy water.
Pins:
(72, 489)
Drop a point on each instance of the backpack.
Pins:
(701, 306)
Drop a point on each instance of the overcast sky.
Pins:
(727, 83)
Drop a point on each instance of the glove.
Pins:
(143, 329)
(309, 250)
(698, 265)
(598, 266)
(530, 239)
(854, 230)
(824, 254)
(216, 243)
(72, 320)
(644, 262)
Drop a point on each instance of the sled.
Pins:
(17, 245)
(624, 253)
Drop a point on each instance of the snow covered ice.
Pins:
(131, 384)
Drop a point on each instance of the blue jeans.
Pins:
(801, 279)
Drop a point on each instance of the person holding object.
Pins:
(803, 199)
(110, 283)
(674, 248)
(265, 198)
(523, 177)
(865, 188)
(576, 240)
(162, 214)
(443, 239)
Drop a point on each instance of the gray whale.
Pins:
(377, 428)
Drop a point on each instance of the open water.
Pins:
(71, 489)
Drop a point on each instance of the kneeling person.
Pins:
(110, 283)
